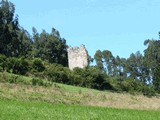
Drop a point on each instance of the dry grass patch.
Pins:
(75, 95)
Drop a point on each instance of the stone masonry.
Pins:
(77, 57)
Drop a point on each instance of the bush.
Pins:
(40, 82)
(91, 78)
(149, 91)
(131, 86)
(23, 66)
(2, 63)
(12, 79)
(17, 66)
(1, 69)
(57, 74)
(3, 77)
(38, 65)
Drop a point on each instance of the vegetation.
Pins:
(21, 88)
(34, 74)
(21, 97)
(24, 101)
(36, 110)
(44, 56)
(16, 41)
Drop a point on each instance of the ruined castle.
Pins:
(77, 57)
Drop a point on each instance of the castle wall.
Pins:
(77, 57)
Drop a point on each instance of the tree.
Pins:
(136, 67)
(108, 62)
(25, 43)
(9, 27)
(99, 60)
(120, 67)
(50, 47)
(132, 66)
(152, 60)
(56, 50)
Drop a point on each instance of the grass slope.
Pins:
(67, 94)
(64, 102)
(20, 110)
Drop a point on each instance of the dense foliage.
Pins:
(50, 47)
(44, 55)
(89, 77)
(16, 41)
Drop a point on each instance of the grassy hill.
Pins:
(22, 100)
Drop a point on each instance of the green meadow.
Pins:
(22, 110)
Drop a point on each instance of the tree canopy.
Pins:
(16, 41)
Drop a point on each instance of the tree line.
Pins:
(16, 41)
(144, 68)
(45, 56)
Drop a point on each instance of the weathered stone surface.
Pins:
(77, 57)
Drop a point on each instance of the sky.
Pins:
(120, 26)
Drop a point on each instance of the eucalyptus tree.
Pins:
(98, 57)
(120, 67)
(135, 67)
(25, 43)
(109, 62)
(9, 27)
(152, 61)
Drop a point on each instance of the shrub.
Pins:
(57, 76)
(23, 66)
(1, 69)
(149, 91)
(3, 77)
(17, 66)
(91, 78)
(40, 82)
(38, 65)
(58, 73)
(12, 79)
(2, 62)
(36, 81)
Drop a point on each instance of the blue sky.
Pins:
(120, 26)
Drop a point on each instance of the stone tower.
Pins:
(77, 57)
